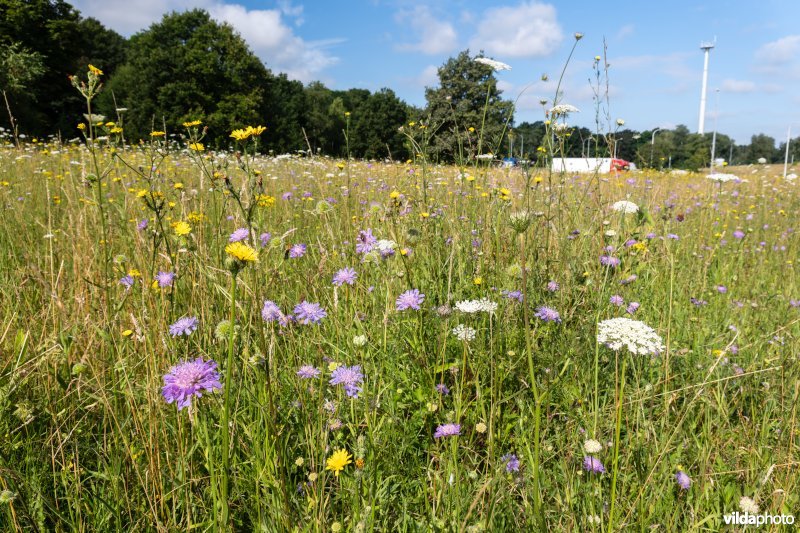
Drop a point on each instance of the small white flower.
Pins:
(721, 178)
(620, 122)
(496, 65)
(476, 306)
(748, 505)
(563, 109)
(385, 245)
(636, 336)
(591, 446)
(464, 333)
(624, 206)
(360, 340)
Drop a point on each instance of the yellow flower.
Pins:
(134, 273)
(246, 133)
(192, 124)
(182, 228)
(94, 70)
(197, 147)
(81, 126)
(338, 461)
(127, 333)
(178, 185)
(265, 200)
(157, 133)
(471, 129)
(242, 252)
(478, 280)
(333, 365)
(394, 195)
(115, 129)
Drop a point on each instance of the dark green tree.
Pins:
(762, 146)
(190, 67)
(467, 97)
(375, 127)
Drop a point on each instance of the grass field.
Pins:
(366, 406)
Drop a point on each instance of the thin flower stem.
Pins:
(223, 518)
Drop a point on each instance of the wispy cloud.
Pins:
(529, 29)
(434, 36)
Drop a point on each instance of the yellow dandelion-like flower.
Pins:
(394, 195)
(338, 461)
(115, 129)
(192, 124)
(81, 126)
(265, 200)
(178, 185)
(94, 70)
(246, 133)
(241, 252)
(197, 147)
(478, 280)
(158, 133)
(182, 228)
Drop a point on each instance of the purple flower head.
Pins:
(683, 479)
(142, 224)
(447, 430)
(739, 234)
(616, 300)
(239, 235)
(629, 243)
(286, 196)
(346, 275)
(190, 378)
(632, 308)
(411, 299)
(308, 372)
(165, 279)
(127, 282)
(630, 279)
(366, 241)
(548, 314)
(609, 261)
(184, 326)
(512, 295)
(512, 462)
(271, 312)
(349, 376)
(552, 286)
(698, 303)
(672, 236)
(309, 313)
(794, 303)
(722, 289)
(442, 389)
(265, 238)
(297, 250)
(593, 464)
(650, 236)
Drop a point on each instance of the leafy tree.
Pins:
(762, 146)
(18, 68)
(187, 67)
(286, 114)
(375, 126)
(467, 97)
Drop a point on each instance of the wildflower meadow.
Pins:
(202, 339)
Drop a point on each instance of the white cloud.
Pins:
(529, 29)
(429, 77)
(625, 31)
(738, 86)
(783, 50)
(268, 32)
(435, 36)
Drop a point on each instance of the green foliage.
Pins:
(467, 97)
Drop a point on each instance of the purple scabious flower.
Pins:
(265, 238)
(447, 430)
(349, 376)
(271, 312)
(142, 224)
(366, 241)
(512, 462)
(632, 308)
(165, 279)
(239, 235)
(548, 314)
(127, 282)
(286, 196)
(345, 275)
(297, 250)
(184, 326)
(739, 234)
(672, 236)
(650, 236)
(442, 389)
(593, 464)
(794, 303)
(616, 300)
(512, 295)
(309, 313)
(190, 378)
(411, 299)
(630, 279)
(552, 286)
(722, 289)
(609, 261)
(698, 303)
(308, 372)
(683, 479)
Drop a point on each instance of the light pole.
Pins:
(786, 157)
(705, 47)
(714, 137)
(653, 145)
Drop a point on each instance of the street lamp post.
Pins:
(653, 144)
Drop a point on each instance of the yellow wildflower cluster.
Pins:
(246, 133)
(265, 200)
(241, 252)
(182, 228)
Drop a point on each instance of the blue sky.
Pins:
(653, 51)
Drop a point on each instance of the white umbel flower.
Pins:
(484, 305)
(721, 178)
(624, 206)
(563, 109)
(748, 505)
(637, 337)
(496, 65)
(591, 446)
(464, 333)
(385, 245)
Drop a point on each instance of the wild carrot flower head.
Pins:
(622, 332)
(190, 378)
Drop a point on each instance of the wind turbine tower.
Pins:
(705, 47)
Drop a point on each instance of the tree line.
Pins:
(188, 67)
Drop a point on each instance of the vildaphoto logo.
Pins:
(747, 519)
